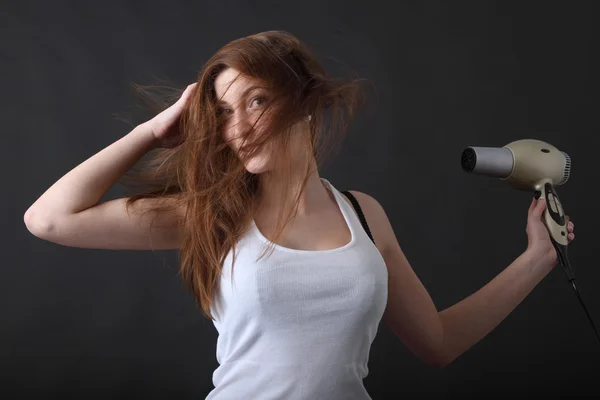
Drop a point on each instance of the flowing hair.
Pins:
(204, 174)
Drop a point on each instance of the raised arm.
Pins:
(69, 213)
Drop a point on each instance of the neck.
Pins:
(273, 197)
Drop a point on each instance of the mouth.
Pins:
(246, 148)
(243, 152)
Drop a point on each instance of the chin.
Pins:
(257, 165)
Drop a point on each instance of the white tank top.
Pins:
(298, 324)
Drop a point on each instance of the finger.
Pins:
(532, 205)
(569, 224)
(571, 236)
(187, 92)
(539, 208)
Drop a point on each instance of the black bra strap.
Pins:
(361, 216)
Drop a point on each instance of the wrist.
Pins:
(540, 257)
(146, 135)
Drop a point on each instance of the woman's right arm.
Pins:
(68, 212)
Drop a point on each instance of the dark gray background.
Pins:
(88, 323)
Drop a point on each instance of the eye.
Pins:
(258, 101)
(223, 112)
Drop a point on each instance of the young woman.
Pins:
(237, 184)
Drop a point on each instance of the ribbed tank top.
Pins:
(298, 324)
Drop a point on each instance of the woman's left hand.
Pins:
(537, 234)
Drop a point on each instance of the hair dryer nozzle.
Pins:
(493, 161)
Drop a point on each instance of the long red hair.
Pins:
(205, 175)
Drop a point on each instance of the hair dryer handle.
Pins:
(554, 215)
(556, 222)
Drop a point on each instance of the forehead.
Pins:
(230, 85)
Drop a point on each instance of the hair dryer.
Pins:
(527, 165)
(530, 164)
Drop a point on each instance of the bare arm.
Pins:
(439, 337)
(84, 186)
(68, 212)
(471, 319)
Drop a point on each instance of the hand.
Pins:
(538, 237)
(165, 125)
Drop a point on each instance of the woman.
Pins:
(235, 170)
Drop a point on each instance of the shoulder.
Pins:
(376, 217)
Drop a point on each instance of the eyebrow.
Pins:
(244, 93)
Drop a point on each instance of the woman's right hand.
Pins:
(165, 125)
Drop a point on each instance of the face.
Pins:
(242, 100)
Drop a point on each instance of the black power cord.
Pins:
(561, 250)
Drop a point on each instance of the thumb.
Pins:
(539, 208)
(532, 205)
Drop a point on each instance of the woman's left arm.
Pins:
(439, 337)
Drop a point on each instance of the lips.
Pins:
(243, 152)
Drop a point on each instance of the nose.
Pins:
(240, 124)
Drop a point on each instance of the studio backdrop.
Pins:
(79, 323)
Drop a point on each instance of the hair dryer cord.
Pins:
(566, 265)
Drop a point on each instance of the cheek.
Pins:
(227, 138)
(261, 161)
(261, 156)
